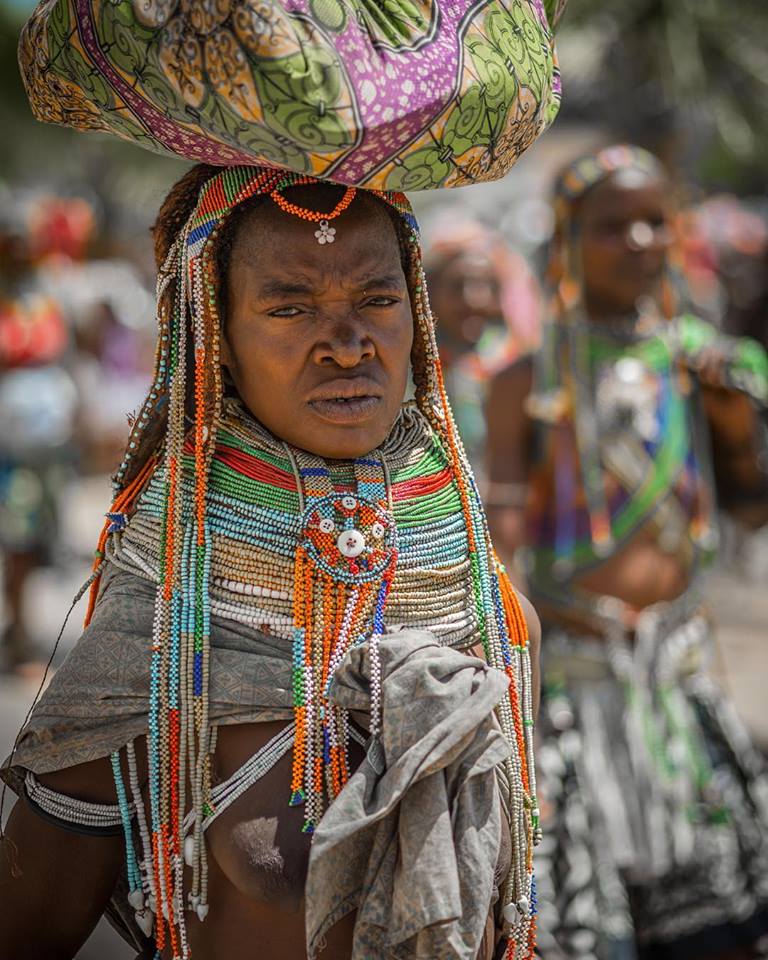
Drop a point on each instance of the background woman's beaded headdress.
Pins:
(186, 396)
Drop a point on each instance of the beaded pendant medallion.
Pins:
(345, 564)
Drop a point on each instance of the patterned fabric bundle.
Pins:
(233, 522)
(407, 94)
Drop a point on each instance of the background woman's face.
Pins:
(318, 337)
(465, 294)
(625, 236)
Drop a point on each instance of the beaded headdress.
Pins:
(338, 602)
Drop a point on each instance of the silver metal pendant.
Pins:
(326, 233)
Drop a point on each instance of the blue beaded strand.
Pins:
(132, 867)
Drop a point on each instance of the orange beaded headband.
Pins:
(325, 233)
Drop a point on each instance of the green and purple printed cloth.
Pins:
(385, 94)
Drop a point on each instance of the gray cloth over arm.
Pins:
(413, 840)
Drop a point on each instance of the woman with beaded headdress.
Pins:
(607, 452)
(270, 713)
(273, 671)
(486, 301)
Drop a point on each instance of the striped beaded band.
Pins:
(334, 603)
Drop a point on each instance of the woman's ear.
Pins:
(225, 353)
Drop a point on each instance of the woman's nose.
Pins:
(642, 235)
(346, 343)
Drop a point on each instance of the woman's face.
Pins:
(625, 237)
(466, 297)
(317, 337)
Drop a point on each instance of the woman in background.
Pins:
(488, 308)
(609, 448)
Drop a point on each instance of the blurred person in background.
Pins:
(37, 404)
(487, 303)
(724, 259)
(606, 453)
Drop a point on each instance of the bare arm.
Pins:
(738, 447)
(54, 885)
(507, 461)
(534, 642)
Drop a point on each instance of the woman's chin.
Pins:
(342, 448)
(339, 442)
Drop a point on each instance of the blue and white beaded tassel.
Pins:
(135, 891)
(144, 915)
(203, 555)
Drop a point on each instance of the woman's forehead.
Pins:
(623, 194)
(270, 229)
(274, 246)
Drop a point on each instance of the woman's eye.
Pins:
(285, 312)
(381, 301)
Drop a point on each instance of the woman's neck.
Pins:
(642, 319)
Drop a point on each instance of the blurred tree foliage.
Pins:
(688, 78)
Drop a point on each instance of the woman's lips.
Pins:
(346, 410)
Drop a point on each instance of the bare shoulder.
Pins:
(531, 620)
(507, 422)
(508, 438)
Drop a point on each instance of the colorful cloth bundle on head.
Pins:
(235, 523)
(408, 94)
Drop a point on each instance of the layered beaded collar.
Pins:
(308, 550)
(325, 555)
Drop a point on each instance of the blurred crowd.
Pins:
(76, 347)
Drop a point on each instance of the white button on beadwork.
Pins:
(351, 543)
(349, 503)
(377, 529)
(327, 525)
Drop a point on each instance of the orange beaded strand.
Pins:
(313, 216)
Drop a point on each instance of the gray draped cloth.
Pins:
(99, 699)
(413, 840)
(414, 846)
